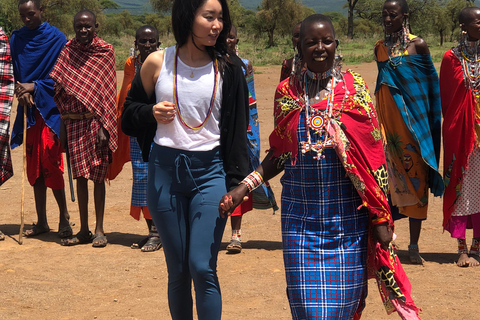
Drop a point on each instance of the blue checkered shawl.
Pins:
(415, 89)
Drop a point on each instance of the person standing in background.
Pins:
(409, 112)
(146, 42)
(85, 93)
(7, 86)
(261, 198)
(460, 91)
(35, 48)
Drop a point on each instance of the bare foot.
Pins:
(463, 260)
(414, 254)
(474, 260)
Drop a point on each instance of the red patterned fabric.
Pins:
(122, 154)
(85, 81)
(87, 73)
(44, 154)
(6, 97)
(361, 155)
(460, 118)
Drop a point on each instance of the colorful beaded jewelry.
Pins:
(253, 181)
(462, 246)
(175, 95)
(319, 121)
(475, 248)
(467, 53)
(397, 43)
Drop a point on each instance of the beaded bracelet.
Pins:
(253, 181)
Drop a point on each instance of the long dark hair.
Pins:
(183, 14)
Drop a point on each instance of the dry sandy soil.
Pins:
(43, 280)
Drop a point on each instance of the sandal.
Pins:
(2, 236)
(153, 244)
(139, 244)
(99, 241)
(36, 230)
(414, 254)
(80, 238)
(235, 246)
(65, 232)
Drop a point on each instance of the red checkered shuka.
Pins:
(7, 87)
(87, 73)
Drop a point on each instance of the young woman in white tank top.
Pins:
(191, 100)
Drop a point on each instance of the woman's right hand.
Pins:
(164, 112)
(232, 199)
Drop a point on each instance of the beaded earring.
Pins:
(296, 63)
(463, 38)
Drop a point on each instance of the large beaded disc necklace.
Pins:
(175, 95)
(397, 43)
(318, 121)
(467, 52)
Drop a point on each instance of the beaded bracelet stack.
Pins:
(253, 181)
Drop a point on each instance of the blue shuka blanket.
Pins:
(34, 53)
(414, 85)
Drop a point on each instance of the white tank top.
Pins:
(194, 96)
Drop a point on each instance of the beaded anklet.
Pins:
(475, 248)
(462, 246)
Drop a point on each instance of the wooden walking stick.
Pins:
(22, 213)
(70, 179)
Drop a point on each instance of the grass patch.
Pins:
(356, 51)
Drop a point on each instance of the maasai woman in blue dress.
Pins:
(336, 222)
(263, 197)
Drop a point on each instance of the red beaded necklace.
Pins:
(175, 94)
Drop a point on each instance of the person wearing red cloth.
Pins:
(85, 93)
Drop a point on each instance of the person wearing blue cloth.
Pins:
(35, 48)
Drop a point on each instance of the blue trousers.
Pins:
(184, 190)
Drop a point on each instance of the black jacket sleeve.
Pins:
(137, 116)
(234, 124)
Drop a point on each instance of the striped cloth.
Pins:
(88, 74)
(85, 81)
(324, 237)
(415, 88)
(140, 172)
(7, 87)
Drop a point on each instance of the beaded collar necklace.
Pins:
(397, 43)
(319, 121)
(319, 75)
(467, 52)
(138, 63)
(175, 95)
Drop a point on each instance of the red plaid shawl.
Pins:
(359, 147)
(87, 72)
(6, 97)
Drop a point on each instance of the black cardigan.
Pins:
(138, 120)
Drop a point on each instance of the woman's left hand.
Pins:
(383, 234)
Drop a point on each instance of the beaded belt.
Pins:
(77, 116)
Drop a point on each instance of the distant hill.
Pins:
(143, 6)
(318, 5)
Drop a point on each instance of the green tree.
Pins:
(279, 15)
(351, 6)
(161, 5)
(440, 20)
(453, 10)
(56, 12)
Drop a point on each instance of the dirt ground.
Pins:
(43, 280)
